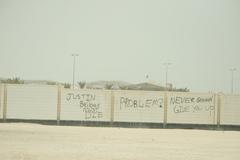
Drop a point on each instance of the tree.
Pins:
(108, 86)
(51, 83)
(67, 85)
(82, 84)
(13, 81)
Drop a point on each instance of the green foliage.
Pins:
(51, 83)
(108, 86)
(82, 84)
(13, 81)
(123, 87)
(67, 85)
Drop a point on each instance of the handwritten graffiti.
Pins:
(138, 103)
(181, 109)
(87, 104)
(187, 100)
(202, 100)
(192, 104)
(181, 100)
(86, 97)
(192, 108)
(91, 110)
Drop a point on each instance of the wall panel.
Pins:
(37, 102)
(86, 105)
(1, 101)
(194, 108)
(230, 109)
(138, 106)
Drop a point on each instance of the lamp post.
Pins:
(74, 59)
(232, 70)
(166, 67)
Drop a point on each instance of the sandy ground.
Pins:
(19, 141)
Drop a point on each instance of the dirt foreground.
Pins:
(19, 141)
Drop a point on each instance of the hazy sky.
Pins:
(122, 40)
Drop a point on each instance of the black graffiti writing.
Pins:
(182, 100)
(190, 100)
(192, 108)
(181, 109)
(91, 109)
(209, 108)
(196, 108)
(202, 100)
(86, 97)
(137, 103)
(88, 105)
(93, 115)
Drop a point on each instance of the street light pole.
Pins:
(166, 65)
(232, 70)
(74, 59)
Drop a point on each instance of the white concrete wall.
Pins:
(138, 106)
(194, 108)
(37, 102)
(86, 105)
(1, 101)
(230, 109)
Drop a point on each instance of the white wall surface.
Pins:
(195, 108)
(1, 101)
(39, 102)
(230, 109)
(31, 102)
(86, 105)
(138, 106)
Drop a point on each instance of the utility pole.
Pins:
(232, 70)
(74, 59)
(166, 67)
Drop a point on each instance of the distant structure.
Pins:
(151, 85)
(169, 86)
